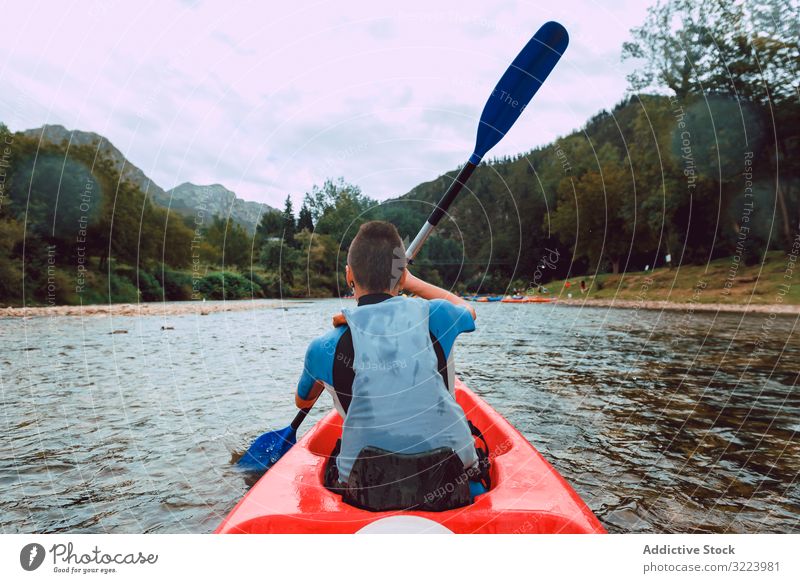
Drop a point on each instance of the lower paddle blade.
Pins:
(268, 449)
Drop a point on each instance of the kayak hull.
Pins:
(528, 496)
(484, 299)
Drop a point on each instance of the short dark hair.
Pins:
(377, 257)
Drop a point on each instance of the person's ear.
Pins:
(348, 276)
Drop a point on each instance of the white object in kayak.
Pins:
(404, 525)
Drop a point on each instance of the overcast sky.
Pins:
(269, 98)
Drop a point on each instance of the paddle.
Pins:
(270, 447)
(510, 97)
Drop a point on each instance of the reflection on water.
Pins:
(660, 426)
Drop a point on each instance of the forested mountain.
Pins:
(186, 199)
(624, 192)
(57, 135)
(78, 224)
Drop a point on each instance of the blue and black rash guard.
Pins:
(329, 358)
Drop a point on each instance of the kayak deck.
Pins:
(528, 496)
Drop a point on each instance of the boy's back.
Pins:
(388, 365)
(400, 402)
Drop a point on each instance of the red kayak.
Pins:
(527, 300)
(514, 301)
(528, 495)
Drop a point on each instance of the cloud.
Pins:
(268, 99)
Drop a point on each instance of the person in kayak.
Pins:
(388, 362)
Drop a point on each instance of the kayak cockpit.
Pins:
(411, 469)
(527, 494)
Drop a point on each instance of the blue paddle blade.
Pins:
(268, 449)
(518, 85)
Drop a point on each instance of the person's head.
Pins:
(376, 260)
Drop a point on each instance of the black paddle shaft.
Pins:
(440, 210)
(451, 194)
(298, 419)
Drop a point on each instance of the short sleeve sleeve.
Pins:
(447, 321)
(318, 364)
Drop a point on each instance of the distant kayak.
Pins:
(527, 300)
(515, 299)
(527, 496)
(484, 299)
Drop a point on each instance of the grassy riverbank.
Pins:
(724, 281)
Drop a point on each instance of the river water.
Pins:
(662, 421)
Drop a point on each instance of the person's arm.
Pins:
(429, 291)
(317, 369)
(312, 396)
(309, 387)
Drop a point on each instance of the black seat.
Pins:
(433, 481)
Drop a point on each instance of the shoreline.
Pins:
(142, 309)
(781, 309)
(205, 308)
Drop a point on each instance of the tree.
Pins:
(746, 52)
(444, 256)
(289, 224)
(338, 209)
(123, 212)
(281, 259)
(54, 194)
(596, 213)
(270, 225)
(172, 237)
(237, 246)
(747, 49)
(11, 237)
(231, 240)
(305, 220)
(317, 264)
(673, 46)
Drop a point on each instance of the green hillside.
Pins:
(722, 281)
